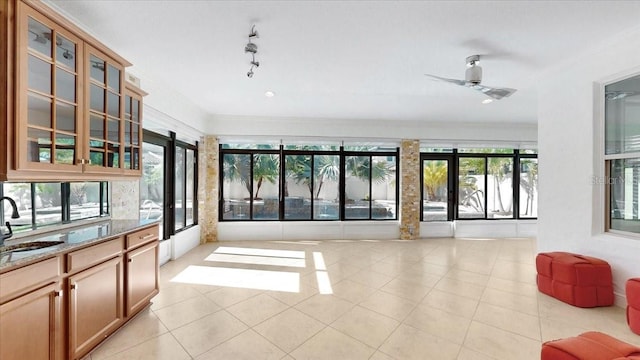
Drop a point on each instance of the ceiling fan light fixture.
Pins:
(473, 60)
(473, 75)
(473, 79)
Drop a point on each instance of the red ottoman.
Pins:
(633, 304)
(578, 280)
(589, 346)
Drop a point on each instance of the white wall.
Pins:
(479, 228)
(308, 230)
(278, 128)
(179, 244)
(570, 210)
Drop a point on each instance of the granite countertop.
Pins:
(71, 238)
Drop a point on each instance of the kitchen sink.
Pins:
(33, 245)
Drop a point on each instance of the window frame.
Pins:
(453, 182)
(178, 144)
(283, 152)
(170, 145)
(602, 181)
(65, 205)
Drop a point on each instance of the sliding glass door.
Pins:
(437, 188)
(153, 191)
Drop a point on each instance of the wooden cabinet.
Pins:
(64, 306)
(35, 316)
(70, 99)
(31, 308)
(105, 93)
(95, 305)
(48, 73)
(142, 277)
(132, 161)
(142, 268)
(96, 296)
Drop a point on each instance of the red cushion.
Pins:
(633, 304)
(633, 293)
(633, 319)
(588, 346)
(581, 270)
(575, 279)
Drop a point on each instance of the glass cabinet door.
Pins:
(48, 105)
(105, 113)
(74, 113)
(132, 129)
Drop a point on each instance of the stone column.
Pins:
(410, 189)
(208, 174)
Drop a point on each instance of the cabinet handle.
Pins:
(130, 260)
(74, 287)
(57, 293)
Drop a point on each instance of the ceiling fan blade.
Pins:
(453, 81)
(495, 93)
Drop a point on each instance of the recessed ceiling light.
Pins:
(487, 101)
(269, 93)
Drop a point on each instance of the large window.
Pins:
(152, 183)
(308, 182)
(168, 187)
(370, 187)
(478, 183)
(471, 187)
(185, 179)
(528, 190)
(622, 154)
(45, 204)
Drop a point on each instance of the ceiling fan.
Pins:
(473, 78)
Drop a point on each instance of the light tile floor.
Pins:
(465, 299)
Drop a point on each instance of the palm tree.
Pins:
(237, 167)
(298, 168)
(325, 168)
(469, 194)
(434, 175)
(360, 167)
(500, 168)
(529, 182)
(265, 167)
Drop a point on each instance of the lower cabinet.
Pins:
(64, 306)
(142, 277)
(30, 326)
(95, 305)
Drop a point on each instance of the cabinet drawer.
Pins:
(93, 255)
(142, 236)
(17, 282)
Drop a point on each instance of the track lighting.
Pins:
(67, 55)
(253, 50)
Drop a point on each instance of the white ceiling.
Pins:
(353, 59)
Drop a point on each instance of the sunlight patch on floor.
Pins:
(240, 278)
(301, 242)
(257, 260)
(318, 261)
(260, 252)
(324, 284)
(322, 276)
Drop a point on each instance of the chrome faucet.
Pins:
(14, 215)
